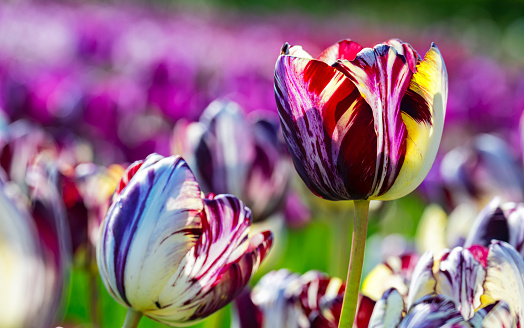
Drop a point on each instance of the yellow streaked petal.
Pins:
(431, 83)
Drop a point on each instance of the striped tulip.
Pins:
(498, 221)
(283, 299)
(34, 251)
(482, 169)
(362, 123)
(463, 287)
(169, 253)
(236, 153)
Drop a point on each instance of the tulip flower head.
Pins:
(362, 123)
(499, 221)
(462, 287)
(168, 252)
(284, 299)
(482, 169)
(34, 253)
(236, 153)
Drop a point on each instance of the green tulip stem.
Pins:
(340, 245)
(132, 318)
(358, 245)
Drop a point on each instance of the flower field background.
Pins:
(95, 86)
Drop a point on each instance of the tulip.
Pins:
(283, 299)
(464, 227)
(498, 221)
(485, 168)
(34, 252)
(474, 286)
(238, 154)
(21, 265)
(361, 124)
(169, 253)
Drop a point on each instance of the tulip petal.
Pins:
(25, 276)
(235, 277)
(223, 167)
(169, 235)
(321, 111)
(296, 51)
(460, 277)
(268, 175)
(364, 311)
(505, 278)
(49, 216)
(423, 282)
(406, 50)
(272, 295)
(388, 311)
(245, 314)
(320, 300)
(223, 249)
(433, 311)
(342, 50)
(423, 109)
(515, 215)
(496, 315)
(491, 223)
(382, 77)
(128, 174)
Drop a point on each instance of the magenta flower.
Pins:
(362, 123)
(169, 253)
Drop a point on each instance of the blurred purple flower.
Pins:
(482, 170)
(169, 253)
(477, 287)
(238, 154)
(35, 251)
(504, 222)
(283, 299)
(296, 213)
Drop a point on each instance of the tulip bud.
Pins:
(362, 123)
(34, 253)
(480, 170)
(283, 299)
(237, 154)
(477, 286)
(504, 222)
(168, 252)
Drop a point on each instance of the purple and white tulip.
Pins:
(168, 252)
(34, 252)
(282, 299)
(234, 153)
(362, 123)
(498, 221)
(473, 287)
(481, 170)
